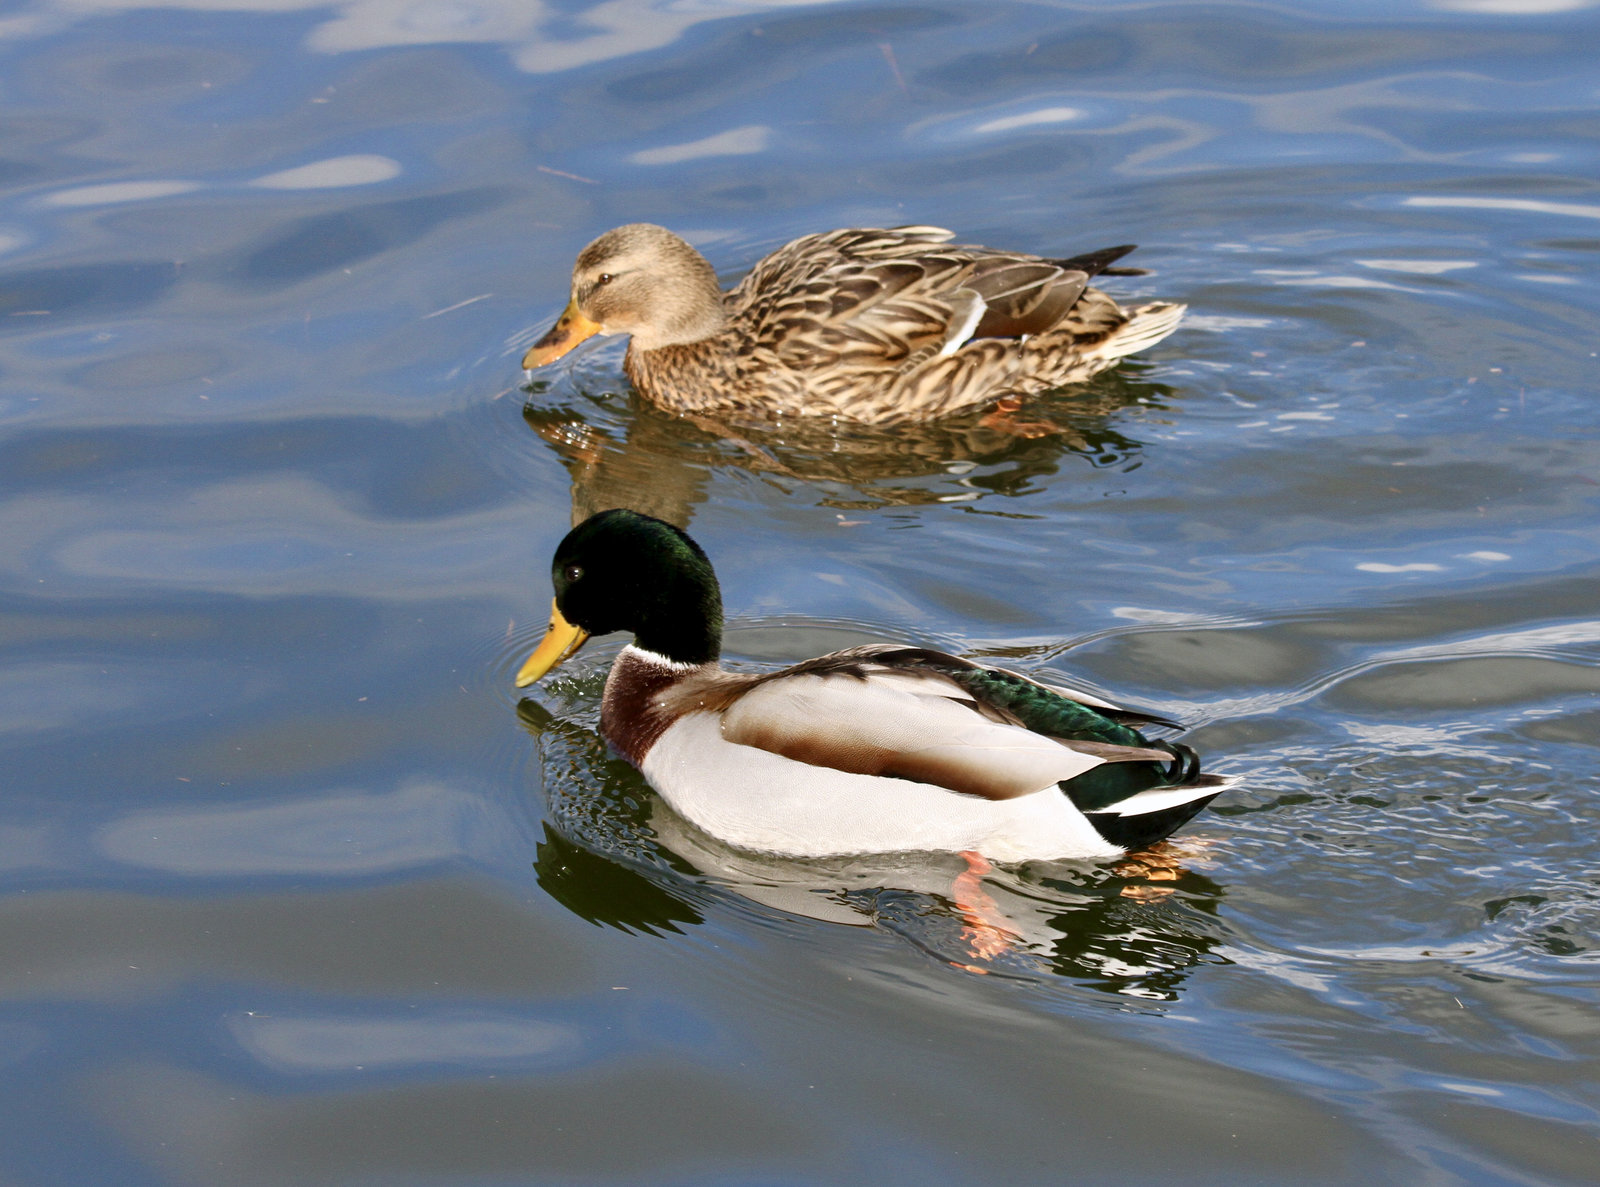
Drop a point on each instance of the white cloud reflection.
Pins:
(336, 172)
(1532, 205)
(752, 138)
(333, 1043)
(115, 192)
(541, 38)
(286, 534)
(1419, 267)
(1029, 119)
(1513, 7)
(333, 173)
(342, 833)
(1412, 567)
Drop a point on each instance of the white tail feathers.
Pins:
(1159, 799)
(1145, 326)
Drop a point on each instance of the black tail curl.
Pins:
(1146, 828)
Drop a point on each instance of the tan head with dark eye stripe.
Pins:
(641, 280)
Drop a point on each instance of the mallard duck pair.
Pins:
(872, 326)
(875, 749)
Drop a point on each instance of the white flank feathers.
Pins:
(762, 801)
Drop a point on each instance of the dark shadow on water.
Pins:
(623, 451)
(607, 893)
(75, 291)
(323, 243)
(615, 855)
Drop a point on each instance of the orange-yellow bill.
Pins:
(561, 641)
(570, 329)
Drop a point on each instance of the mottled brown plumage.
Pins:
(876, 326)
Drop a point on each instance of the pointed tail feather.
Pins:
(1092, 263)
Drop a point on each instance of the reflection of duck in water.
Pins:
(874, 326)
(628, 453)
(605, 891)
(870, 750)
(1135, 926)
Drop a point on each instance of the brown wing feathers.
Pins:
(1025, 295)
(1024, 298)
(813, 727)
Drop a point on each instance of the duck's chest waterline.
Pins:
(716, 374)
(631, 717)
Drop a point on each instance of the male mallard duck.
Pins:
(867, 325)
(876, 749)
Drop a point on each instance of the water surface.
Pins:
(293, 889)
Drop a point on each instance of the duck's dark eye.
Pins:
(572, 573)
(603, 278)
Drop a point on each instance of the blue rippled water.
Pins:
(295, 890)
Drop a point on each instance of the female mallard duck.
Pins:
(876, 749)
(866, 325)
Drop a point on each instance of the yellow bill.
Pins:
(570, 329)
(561, 641)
